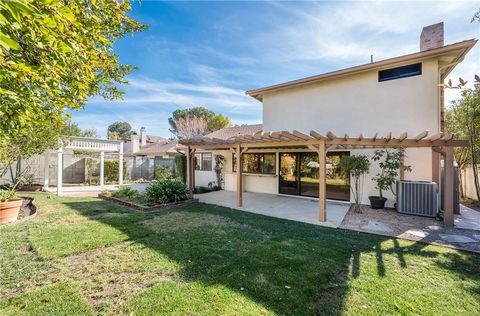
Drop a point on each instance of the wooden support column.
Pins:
(189, 168)
(436, 167)
(120, 164)
(102, 168)
(322, 216)
(238, 153)
(448, 206)
(59, 168)
(194, 165)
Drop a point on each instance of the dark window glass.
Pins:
(400, 72)
(198, 161)
(256, 163)
(207, 161)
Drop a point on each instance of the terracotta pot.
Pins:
(9, 210)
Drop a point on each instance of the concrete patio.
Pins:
(465, 235)
(292, 208)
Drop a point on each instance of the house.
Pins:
(310, 123)
(144, 152)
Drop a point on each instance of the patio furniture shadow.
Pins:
(287, 267)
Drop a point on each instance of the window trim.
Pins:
(399, 74)
(234, 165)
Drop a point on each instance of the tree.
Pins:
(119, 130)
(200, 117)
(390, 166)
(465, 120)
(356, 166)
(72, 129)
(53, 56)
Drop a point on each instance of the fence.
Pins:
(468, 183)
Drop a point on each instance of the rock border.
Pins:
(143, 208)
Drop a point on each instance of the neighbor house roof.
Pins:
(156, 149)
(235, 131)
(457, 52)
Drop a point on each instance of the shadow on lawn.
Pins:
(288, 267)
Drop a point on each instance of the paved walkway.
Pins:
(292, 208)
(465, 235)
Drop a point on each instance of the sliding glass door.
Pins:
(299, 175)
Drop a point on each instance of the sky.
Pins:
(209, 53)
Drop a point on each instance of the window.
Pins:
(203, 161)
(400, 72)
(256, 163)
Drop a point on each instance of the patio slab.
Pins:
(293, 208)
(424, 229)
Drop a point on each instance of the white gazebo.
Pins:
(86, 144)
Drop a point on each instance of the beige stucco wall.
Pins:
(468, 182)
(358, 104)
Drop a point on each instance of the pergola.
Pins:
(322, 143)
(90, 145)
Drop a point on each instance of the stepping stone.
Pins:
(457, 238)
(416, 232)
(467, 225)
(377, 226)
(434, 227)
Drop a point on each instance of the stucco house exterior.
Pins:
(396, 99)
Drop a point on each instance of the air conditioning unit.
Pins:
(417, 198)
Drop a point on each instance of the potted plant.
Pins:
(9, 206)
(390, 165)
(356, 166)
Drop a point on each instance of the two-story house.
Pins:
(386, 103)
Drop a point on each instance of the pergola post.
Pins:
(59, 168)
(448, 206)
(322, 216)
(194, 165)
(120, 164)
(46, 170)
(102, 168)
(238, 154)
(189, 168)
(436, 167)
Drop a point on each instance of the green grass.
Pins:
(83, 255)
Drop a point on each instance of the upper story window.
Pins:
(256, 163)
(203, 161)
(400, 72)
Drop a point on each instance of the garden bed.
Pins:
(145, 208)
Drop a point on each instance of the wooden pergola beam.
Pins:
(421, 136)
(403, 136)
(316, 135)
(331, 135)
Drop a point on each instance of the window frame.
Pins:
(400, 72)
(200, 161)
(260, 163)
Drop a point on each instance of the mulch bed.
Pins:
(144, 208)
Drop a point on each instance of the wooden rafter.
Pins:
(421, 136)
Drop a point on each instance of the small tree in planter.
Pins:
(390, 165)
(356, 166)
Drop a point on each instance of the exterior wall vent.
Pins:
(417, 198)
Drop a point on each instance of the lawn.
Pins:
(87, 256)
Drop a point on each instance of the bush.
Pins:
(111, 170)
(181, 167)
(163, 173)
(127, 193)
(166, 191)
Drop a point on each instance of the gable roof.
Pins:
(457, 50)
(234, 131)
(156, 149)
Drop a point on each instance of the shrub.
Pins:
(356, 167)
(127, 193)
(6, 195)
(166, 191)
(181, 167)
(111, 170)
(163, 173)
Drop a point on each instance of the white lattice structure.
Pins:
(86, 144)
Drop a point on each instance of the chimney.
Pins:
(431, 37)
(135, 143)
(143, 136)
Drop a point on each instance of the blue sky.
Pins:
(208, 53)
